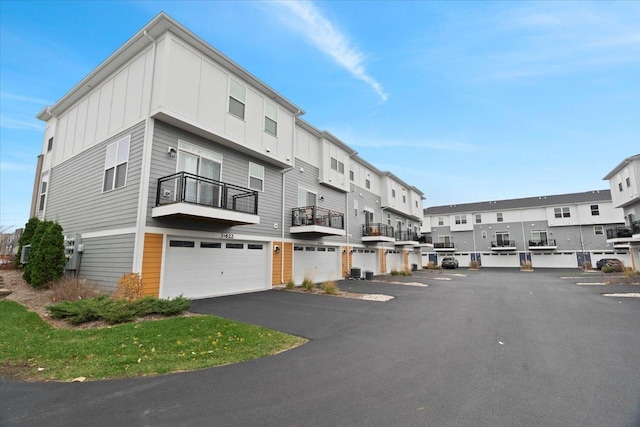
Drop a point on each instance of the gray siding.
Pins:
(75, 197)
(235, 170)
(106, 259)
(368, 200)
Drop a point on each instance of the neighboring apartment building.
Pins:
(171, 160)
(624, 181)
(549, 231)
(9, 242)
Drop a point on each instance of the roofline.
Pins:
(160, 24)
(621, 165)
(392, 176)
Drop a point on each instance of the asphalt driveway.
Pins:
(491, 348)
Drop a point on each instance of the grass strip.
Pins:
(38, 352)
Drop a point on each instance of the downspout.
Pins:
(147, 149)
(36, 187)
(346, 227)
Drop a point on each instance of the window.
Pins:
(368, 216)
(334, 163)
(254, 246)
(628, 180)
(620, 186)
(306, 198)
(355, 207)
(367, 184)
(478, 219)
(595, 210)
(234, 245)
(182, 244)
(440, 220)
(211, 245)
(256, 177)
(271, 119)
(499, 217)
(115, 164)
(461, 219)
(484, 234)
(563, 212)
(502, 238)
(539, 236)
(416, 203)
(393, 193)
(598, 230)
(404, 199)
(341, 167)
(237, 96)
(351, 176)
(50, 144)
(388, 219)
(43, 191)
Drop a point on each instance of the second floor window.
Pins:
(595, 210)
(499, 217)
(256, 177)
(461, 219)
(237, 97)
(440, 220)
(43, 191)
(367, 184)
(115, 164)
(336, 165)
(478, 219)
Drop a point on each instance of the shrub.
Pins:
(612, 269)
(474, 265)
(526, 266)
(330, 288)
(129, 287)
(290, 284)
(405, 272)
(116, 310)
(46, 258)
(72, 289)
(25, 238)
(33, 240)
(307, 283)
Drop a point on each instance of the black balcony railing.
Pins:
(503, 244)
(314, 215)
(635, 227)
(425, 239)
(406, 236)
(377, 229)
(549, 242)
(440, 245)
(183, 187)
(619, 232)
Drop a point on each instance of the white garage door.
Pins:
(365, 260)
(414, 258)
(394, 261)
(200, 268)
(318, 263)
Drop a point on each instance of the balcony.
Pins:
(635, 227)
(444, 247)
(377, 233)
(314, 220)
(425, 240)
(407, 237)
(186, 195)
(619, 233)
(503, 245)
(543, 245)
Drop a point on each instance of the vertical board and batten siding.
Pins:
(106, 259)
(235, 170)
(286, 251)
(152, 264)
(75, 198)
(114, 105)
(197, 89)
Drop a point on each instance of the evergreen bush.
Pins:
(27, 235)
(47, 259)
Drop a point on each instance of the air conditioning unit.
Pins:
(24, 255)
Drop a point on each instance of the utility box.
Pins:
(356, 273)
(368, 275)
(72, 251)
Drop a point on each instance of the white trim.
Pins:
(204, 212)
(256, 177)
(107, 233)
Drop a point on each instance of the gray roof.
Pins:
(527, 202)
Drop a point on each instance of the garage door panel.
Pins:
(394, 261)
(317, 263)
(365, 260)
(199, 268)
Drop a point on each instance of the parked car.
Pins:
(449, 262)
(609, 262)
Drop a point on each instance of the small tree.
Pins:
(27, 235)
(47, 259)
(34, 241)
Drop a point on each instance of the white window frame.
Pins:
(562, 212)
(499, 217)
(598, 230)
(367, 184)
(116, 156)
(461, 219)
(238, 93)
(256, 172)
(44, 186)
(307, 190)
(271, 116)
(478, 218)
(368, 215)
(596, 211)
(440, 221)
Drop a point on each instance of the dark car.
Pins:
(609, 262)
(449, 262)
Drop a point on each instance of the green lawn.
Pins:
(38, 351)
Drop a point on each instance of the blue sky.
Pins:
(468, 101)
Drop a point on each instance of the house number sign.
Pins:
(226, 235)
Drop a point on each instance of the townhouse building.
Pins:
(624, 182)
(557, 231)
(171, 160)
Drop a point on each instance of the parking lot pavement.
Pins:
(486, 348)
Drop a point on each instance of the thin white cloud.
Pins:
(9, 123)
(318, 30)
(16, 167)
(23, 98)
(424, 144)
